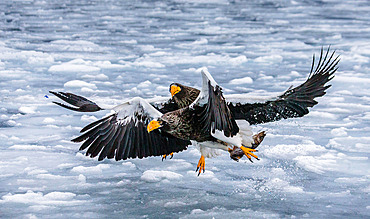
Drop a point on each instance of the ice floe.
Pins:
(38, 198)
(245, 80)
(160, 175)
(98, 169)
(79, 84)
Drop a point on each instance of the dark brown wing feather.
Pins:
(81, 103)
(295, 101)
(216, 114)
(167, 106)
(112, 138)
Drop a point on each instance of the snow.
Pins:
(100, 77)
(269, 59)
(27, 109)
(27, 147)
(160, 175)
(52, 198)
(87, 118)
(281, 185)
(73, 68)
(113, 51)
(79, 83)
(48, 120)
(90, 170)
(148, 64)
(339, 131)
(292, 151)
(245, 80)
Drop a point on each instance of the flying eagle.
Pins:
(139, 128)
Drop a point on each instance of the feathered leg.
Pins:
(237, 153)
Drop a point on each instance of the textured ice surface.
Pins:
(112, 51)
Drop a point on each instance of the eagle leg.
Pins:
(166, 155)
(201, 165)
(248, 152)
(237, 153)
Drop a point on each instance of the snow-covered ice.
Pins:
(111, 51)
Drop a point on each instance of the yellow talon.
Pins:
(201, 165)
(248, 153)
(166, 155)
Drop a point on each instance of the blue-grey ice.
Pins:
(110, 51)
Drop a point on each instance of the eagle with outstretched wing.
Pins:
(139, 128)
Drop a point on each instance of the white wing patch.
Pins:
(203, 96)
(135, 108)
(235, 140)
(246, 133)
(207, 77)
(244, 136)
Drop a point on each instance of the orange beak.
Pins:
(174, 89)
(153, 125)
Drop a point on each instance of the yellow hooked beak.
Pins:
(174, 89)
(153, 125)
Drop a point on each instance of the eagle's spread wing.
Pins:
(295, 101)
(82, 104)
(124, 135)
(214, 113)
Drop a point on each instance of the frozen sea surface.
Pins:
(315, 167)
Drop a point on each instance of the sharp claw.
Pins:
(201, 165)
(249, 157)
(253, 155)
(248, 153)
(166, 155)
